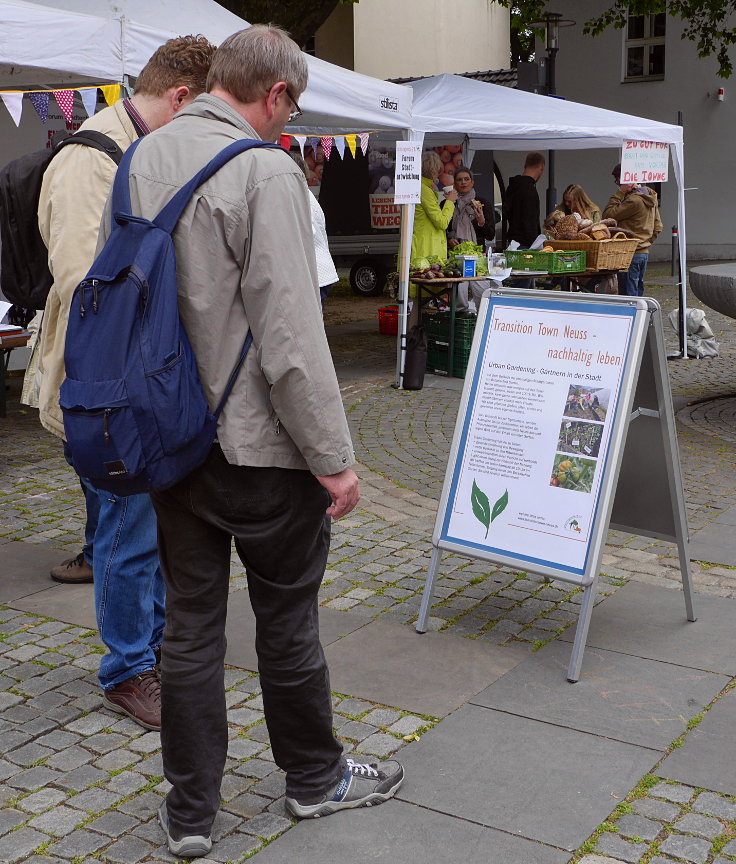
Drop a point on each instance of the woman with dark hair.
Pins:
(473, 220)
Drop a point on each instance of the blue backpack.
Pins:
(135, 415)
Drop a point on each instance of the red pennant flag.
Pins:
(285, 141)
(65, 101)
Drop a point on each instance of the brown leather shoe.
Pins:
(139, 697)
(73, 571)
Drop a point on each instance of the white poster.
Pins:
(527, 475)
(644, 162)
(408, 173)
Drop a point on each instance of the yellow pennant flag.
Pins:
(351, 143)
(111, 92)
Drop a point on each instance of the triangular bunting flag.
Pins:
(285, 141)
(14, 104)
(300, 141)
(111, 92)
(363, 141)
(313, 143)
(89, 100)
(65, 101)
(40, 102)
(351, 144)
(327, 147)
(340, 145)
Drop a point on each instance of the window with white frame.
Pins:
(644, 47)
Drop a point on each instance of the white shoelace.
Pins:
(361, 768)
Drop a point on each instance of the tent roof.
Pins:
(495, 117)
(77, 42)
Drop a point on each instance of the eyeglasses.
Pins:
(297, 112)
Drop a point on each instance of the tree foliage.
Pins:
(707, 23)
(302, 18)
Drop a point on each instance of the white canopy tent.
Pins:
(489, 117)
(60, 42)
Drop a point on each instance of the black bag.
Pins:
(415, 364)
(24, 271)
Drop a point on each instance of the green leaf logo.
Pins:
(482, 506)
(500, 505)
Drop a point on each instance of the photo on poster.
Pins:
(587, 403)
(576, 474)
(580, 438)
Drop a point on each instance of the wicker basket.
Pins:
(601, 254)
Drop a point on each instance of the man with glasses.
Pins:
(280, 468)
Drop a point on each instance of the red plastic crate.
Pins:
(388, 320)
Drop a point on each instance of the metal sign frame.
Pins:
(642, 444)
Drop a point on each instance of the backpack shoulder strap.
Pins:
(169, 216)
(97, 140)
(121, 186)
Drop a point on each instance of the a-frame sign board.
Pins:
(565, 427)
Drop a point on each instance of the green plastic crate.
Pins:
(567, 261)
(438, 325)
(437, 354)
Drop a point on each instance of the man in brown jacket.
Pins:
(280, 467)
(120, 534)
(635, 208)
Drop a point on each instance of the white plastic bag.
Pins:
(700, 339)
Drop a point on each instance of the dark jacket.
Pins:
(522, 210)
(488, 231)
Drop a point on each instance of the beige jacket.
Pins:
(639, 213)
(75, 187)
(245, 258)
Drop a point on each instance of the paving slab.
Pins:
(429, 673)
(643, 702)
(241, 629)
(72, 604)
(24, 568)
(536, 780)
(714, 543)
(399, 832)
(650, 622)
(702, 761)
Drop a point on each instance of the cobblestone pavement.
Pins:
(662, 822)
(79, 784)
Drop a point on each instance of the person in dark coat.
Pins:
(522, 202)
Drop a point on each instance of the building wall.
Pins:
(333, 41)
(416, 37)
(590, 70)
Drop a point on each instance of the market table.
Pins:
(9, 339)
(445, 285)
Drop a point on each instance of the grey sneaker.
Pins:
(362, 785)
(194, 846)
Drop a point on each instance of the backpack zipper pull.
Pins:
(94, 295)
(82, 287)
(105, 433)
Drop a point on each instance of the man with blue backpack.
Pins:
(279, 467)
(120, 551)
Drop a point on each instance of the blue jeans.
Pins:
(129, 587)
(631, 281)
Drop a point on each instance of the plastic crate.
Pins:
(438, 325)
(388, 320)
(568, 261)
(437, 354)
(602, 254)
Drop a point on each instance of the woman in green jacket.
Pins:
(431, 220)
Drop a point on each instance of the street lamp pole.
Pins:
(552, 22)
